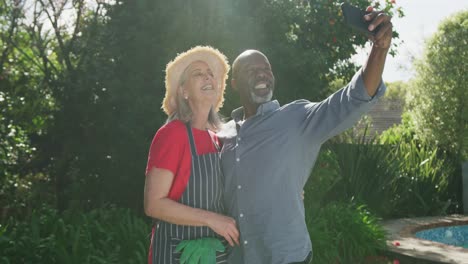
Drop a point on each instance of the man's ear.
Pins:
(233, 84)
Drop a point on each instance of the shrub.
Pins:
(358, 171)
(426, 182)
(109, 235)
(395, 175)
(345, 233)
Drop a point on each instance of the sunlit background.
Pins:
(422, 17)
(81, 86)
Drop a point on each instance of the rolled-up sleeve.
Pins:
(339, 111)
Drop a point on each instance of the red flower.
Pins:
(396, 261)
(396, 243)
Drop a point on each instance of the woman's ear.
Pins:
(183, 92)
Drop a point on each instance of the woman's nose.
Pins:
(208, 76)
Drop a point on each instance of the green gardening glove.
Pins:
(202, 250)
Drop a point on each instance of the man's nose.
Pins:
(260, 74)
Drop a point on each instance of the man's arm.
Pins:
(344, 108)
(339, 111)
(373, 69)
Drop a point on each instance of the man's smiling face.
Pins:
(254, 78)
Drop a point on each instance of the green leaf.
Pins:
(191, 246)
(196, 256)
(181, 245)
(202, 250)
(210, 257)
(217, 245)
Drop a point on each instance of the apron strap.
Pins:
(217, 147)
(191, 140)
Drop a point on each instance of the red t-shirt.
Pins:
(170, 150)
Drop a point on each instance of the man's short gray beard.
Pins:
(261, 99)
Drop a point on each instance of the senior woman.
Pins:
(184, 183)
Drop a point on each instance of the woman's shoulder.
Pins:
(172, 129)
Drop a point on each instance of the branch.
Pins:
(26, 55)
(41, 45)
(77, 24)
(82, 58)
(11, 30)
(54, 21)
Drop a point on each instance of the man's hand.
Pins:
(383, 38)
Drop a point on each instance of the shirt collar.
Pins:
(238, 114)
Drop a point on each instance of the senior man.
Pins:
(269, 150)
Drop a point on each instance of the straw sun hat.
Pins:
(217, 62)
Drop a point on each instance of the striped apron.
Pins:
(204, 190)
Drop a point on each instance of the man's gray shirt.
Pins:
(267, 160)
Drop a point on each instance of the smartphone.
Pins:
(354, 17)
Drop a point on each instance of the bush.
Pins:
(395, 175)
(426, 178)
(367, 171)
(359, 171)
(324, 176)
(110, 235)
(344, 233)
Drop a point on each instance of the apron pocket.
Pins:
(175, 255)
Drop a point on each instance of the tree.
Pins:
(25, 107)
(397, 90)
(42, 47)
(438, 97)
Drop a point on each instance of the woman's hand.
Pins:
(224, 226)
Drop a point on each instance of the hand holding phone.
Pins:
(354, 17)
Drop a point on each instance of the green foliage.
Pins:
(99, 236)
(438, 96)
(397, 91)
(426, 182)
(395, 175)
(404, 132)
(202, 250)
(325, 175)
(420, 189)
(344, 233)
(361, 171)
(25, 105)
(366, 172)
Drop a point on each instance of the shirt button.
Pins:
(237, 159)
(239, 138)
(245, 242)
(241, 215)
(239, 186)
